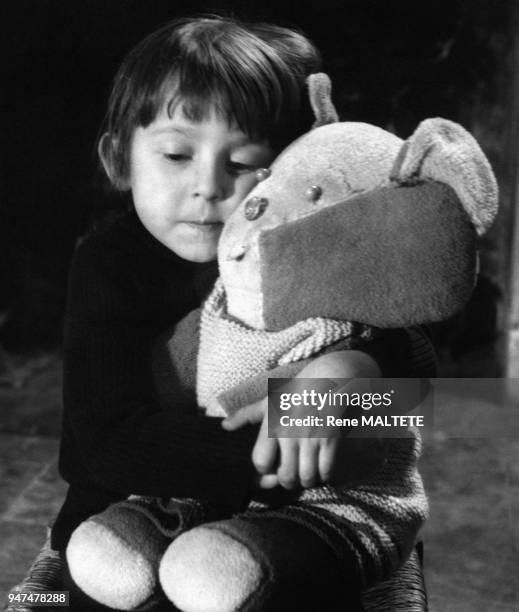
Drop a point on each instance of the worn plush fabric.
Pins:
(374, 516)
(278, 564)
(359, 225)
(443, 151)
(398, 236)
(126, 542)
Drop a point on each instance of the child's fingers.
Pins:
(327, 458)
(268, 481)
(288, 471)
(309, 462)
(264, 453)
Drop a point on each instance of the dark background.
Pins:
(393, 63)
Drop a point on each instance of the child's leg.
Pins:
(113, 557)
(256, 563)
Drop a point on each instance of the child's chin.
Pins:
(197, 253)
(196, 243)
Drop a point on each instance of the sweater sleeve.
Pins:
(115, 433)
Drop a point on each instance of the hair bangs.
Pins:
(252, 102)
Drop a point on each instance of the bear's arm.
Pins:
(398, 353)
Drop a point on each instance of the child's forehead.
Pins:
(195, 108)
(176, 115)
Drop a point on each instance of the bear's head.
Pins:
(351, 222)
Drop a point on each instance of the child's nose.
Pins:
(209, 182)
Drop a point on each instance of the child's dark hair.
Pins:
(252, 74)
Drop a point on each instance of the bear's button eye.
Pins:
(262, 174)
(313, 193)
(255, 207)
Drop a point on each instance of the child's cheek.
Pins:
(248, 183)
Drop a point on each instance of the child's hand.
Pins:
(302, 462)
(310, 461)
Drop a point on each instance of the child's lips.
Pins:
(204, 223)
(204, 227)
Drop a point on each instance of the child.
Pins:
(197, 108)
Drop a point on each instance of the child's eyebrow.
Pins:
(240, 140)
(186, 131)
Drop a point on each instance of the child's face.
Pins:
(187, 178)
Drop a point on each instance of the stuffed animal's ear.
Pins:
(443, 151)
(320, 92)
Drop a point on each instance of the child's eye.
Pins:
(176, 157)
(235, 167)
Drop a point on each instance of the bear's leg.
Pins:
(113, 557)
(253, 563)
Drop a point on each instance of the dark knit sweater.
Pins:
(125, 289)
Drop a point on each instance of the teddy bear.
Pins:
(349, 232)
